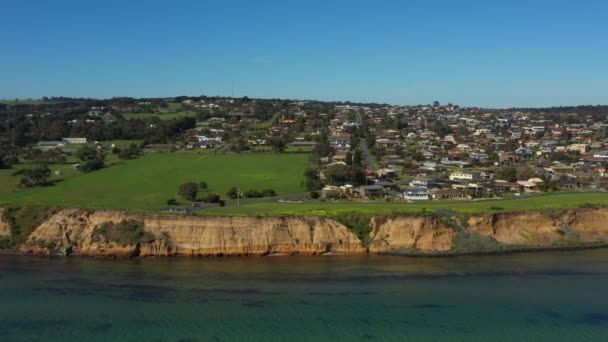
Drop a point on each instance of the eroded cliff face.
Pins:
(534, 228)
(77, 231)
(183, 235)
(421, 234)
(490, 232)
(5, 228)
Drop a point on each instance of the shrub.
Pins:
(233, 192)
(252, 194)
(212, 198)
(358, 223)
(124, 233)
(92, 165)
(171, 201)
(268, 193)
(203, 185)
(188, 190)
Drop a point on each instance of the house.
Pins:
(465, 175)
(330, 191)
(371, 191)
(75, 140)
(57, 143)
(447, 194)
(509, 186)
(386, 174)
(523, 152)
(531, 184)
(422, 183)
(580, 148)
(416, 194)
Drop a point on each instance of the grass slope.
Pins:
(146, 183)
(552, 201)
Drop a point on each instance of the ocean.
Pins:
(548, 296)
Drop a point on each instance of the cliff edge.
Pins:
(119, 234)
(116, 233)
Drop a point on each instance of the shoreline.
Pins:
(438, 255)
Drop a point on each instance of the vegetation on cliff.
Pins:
(23, 221)
(125, 233)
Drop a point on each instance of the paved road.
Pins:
(365, 155)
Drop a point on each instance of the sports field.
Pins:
(146, 183)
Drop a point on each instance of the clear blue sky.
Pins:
(473, 53)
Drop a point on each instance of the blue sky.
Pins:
(474, 53)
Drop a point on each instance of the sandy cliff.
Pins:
(183, 235)
(422, 234)
(77, 231)
(490, 232)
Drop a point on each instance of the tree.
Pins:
(233, 193)
(312, 178)
(129, 153)
(268, 193)
(506, 173)
(188, 191)
(171, 201)
(86, 153)
(525, 173)
(92, 165)
(278, 145)
(252, 194)
(34, 177)
(202, 185)
(212, 198)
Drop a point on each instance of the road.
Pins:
(365, 155)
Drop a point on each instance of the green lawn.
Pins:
(554, 201)
(146, 183)
(162, 116)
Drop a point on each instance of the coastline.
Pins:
(120, 235)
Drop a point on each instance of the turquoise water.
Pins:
(557, 296)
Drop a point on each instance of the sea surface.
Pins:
(549, 296)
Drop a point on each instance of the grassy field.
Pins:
(162, 116)
(552, 201)
(146, 183)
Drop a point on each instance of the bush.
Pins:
(188, 191)
(252, 194)
(314, 194)
(203, 185)
(358, 223)
(212, 198)
(171, 201)
(92, 165)
(233, 193)
(34, 177)
(125, 233)
(268, 193)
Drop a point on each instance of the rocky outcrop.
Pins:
(80, 232)
(5, 228)
(75, 230)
